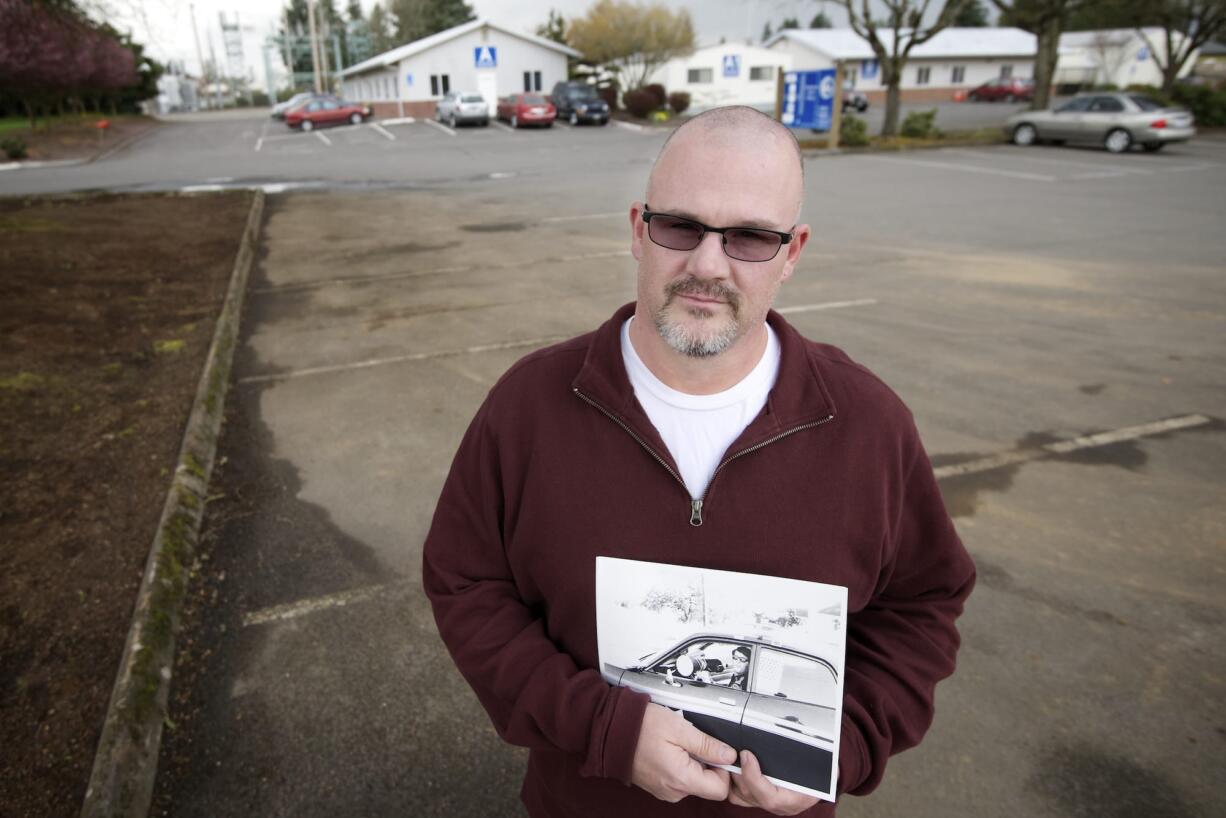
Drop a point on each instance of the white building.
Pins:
(725, 74)
(953, 60)
(1119, 57)
(480, 56)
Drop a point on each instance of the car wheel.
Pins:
(1118, 141)
(485, 123)
(355, 119)
(862, 107)
(1025, 135)
(451, 121)
(549, 124)
(574, 118)
(1153, 147)
(514, 121)
(307, 124)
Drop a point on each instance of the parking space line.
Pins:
(583, 218)
(829, 305)
(629, 126)
(1202, 166)
(1012, 174)
(400, 120)
(323, 138)
(1043, 160)
(293, 610)
(440, 126)
(383, 130)
(506, 128)
(259, 143)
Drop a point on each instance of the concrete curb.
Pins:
(121, 783)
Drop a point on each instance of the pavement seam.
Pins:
(125, 764)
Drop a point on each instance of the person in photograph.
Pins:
(699, 427)
(740, 667)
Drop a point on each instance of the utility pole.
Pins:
(216, 77)
(196, 34)
(314, 45)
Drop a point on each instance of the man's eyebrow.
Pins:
(761, 223)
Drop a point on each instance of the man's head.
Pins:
(728, 167)
(740, 656)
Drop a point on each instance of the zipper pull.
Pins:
(696, 512)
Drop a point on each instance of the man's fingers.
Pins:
(706, 782)
(704, 747)
(752, 788)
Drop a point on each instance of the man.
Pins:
(695, 427)
(740, 667)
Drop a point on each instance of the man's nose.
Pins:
(708, 260)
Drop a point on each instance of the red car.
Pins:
(1010, 89)
(322, 111)
(527, 109)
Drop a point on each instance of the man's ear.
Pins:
(637, 226)
(800, 237)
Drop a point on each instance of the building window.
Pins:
(439, 84)
(1006, 71)
(958, 74)
(758, 73)
(922, 75)
(532, 80)
(536, 79)
(696, 76)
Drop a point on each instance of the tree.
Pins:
(789, 22)
(381, 28)
(972, 15)
(632, 39)
(1186, 26)
(440, 15)
(1045, 19)
(820, 20)
(354, 10)
(905, 29)
(766, 31)
(554, 28)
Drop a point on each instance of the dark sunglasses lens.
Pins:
(674, 233)
(752, 245)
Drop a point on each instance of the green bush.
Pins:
(919, 125)
(658, 92)
(14, 147)
(679, 101)
(853, 132)
(640, 102)
(1206, 104)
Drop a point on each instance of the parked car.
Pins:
(854, 101)
(780, 704)
(579, 102)
(322, 111)
(1117, 121)
(1009, 89)
(459, 107)
(527, 109)
(279, 110)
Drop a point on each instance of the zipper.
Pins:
(696, 504)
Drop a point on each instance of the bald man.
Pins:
(695, 427)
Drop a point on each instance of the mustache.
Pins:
(704, 289)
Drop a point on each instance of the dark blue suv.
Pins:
(578, 102)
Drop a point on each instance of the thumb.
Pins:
(704, 747)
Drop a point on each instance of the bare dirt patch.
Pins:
(107, 308)
(78, 137)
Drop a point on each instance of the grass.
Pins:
(17, 125)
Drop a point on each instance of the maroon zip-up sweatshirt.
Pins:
(830, 483)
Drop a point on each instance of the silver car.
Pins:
(1117, 121)
(458, 107)
(775, 701)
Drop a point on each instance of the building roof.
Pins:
(1108, 36)
(389, 58)
(845, 44)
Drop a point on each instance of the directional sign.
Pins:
(732, 65)
(808, 99)
(485, 56)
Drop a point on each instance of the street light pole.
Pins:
(314, 45)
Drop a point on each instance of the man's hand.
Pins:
(667, 758)
(751, 789)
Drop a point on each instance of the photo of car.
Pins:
(1117, 121)
(463, 108)
(526, 109)
(1003, 89)
(578, 102)
(326, 110)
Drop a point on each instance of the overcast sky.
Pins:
(165, 26)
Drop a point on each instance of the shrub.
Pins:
(679, 101)
(14, 147)
(609, 95)
(640, 102)
(1206, 104)
(853, 132)
(919, 125)
(658, 93)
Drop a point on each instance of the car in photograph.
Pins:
(1003, 89)
(320, 112)
(780, 704)
(578, 102)
(1117, 121)
(527, 109)
(463, 108)
(279, 110)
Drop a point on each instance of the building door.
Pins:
(487, 86)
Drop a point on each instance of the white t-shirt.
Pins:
(698, 429)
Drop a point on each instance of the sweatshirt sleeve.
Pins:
(904, 640)
(535, 694)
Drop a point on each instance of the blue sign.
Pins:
(808, 99)
(485, 56)
(868, 69)
(408, 80)
(732, 65)
(1143, 54)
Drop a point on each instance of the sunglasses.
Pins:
(740, 243)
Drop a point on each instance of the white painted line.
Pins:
(383, 130)
(1076, 444)
(1106, 174)
(829, 305)
(402, 120)
(200, 188)
(259, 143)
(293, 610)
(401, 359)
(323, 138)
(32, 165)
(1203, 166)
(583, 218)
(1012, 174)
(1020, 153)
(503, 175)
(629, 126)
(498, 124)
(440, 126)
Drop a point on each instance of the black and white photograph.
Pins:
(754, 661)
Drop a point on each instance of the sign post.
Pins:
(836, 121)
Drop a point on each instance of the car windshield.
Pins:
(1146, 103)
(472, 98)
(586, 92)
(532, 99)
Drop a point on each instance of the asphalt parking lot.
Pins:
(1053, 316)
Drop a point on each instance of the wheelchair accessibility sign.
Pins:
(485, 56)
(732, 65)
